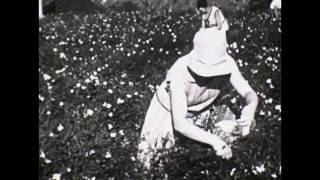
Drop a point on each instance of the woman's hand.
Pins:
(222, 149)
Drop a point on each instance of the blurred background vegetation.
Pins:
(158, 7)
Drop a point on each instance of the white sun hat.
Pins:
(209, 54)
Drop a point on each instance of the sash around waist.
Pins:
(163, 98)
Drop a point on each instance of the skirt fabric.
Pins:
(157, 130)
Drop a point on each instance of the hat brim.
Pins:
(208, 70)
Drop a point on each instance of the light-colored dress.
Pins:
(158, 125)
(212, 20)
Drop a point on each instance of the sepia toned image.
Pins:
(159, 89)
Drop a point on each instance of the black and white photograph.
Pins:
(159, 89)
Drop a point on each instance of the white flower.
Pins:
(269, 113)
(104, 83)
(122, 82)
(42, 155)
(123, 75)
(68, 169)
(151, 86)
(48, 161)
(89, 112)
(61, 70)
(254, 172)
(263, 95)
(110, 126)
(48, 113)
(62, 55)
(234, 45)
(233, 100)
(260, 169)
(83, 87)
(268, 81)
(280, 169)
(129, 96)
(46, 77)
(255, 71)
(98, 69)
(262, 113)
(91, 152)
(152, 48)
(136, 93)
(108, 155)
(51, 134)
(106, 65)
(41, 98)
(71, 90)
(97, 82)
(104, 104)
(278, 107)
(113, 134)
(242, 46)
(142, 76)
(179, 52)
(92, 77)
(121, 132)
(60, 127)
(232, 171)
(130, 83)
(271, 86)
(49, 87)
(109, 106)
(133, 158)
(55, 49)
(120, 101)
(91, 49)
(110, 91)
(269, 100)
(269, 58)
(128, 54)
(110, 114)
(274, 175)
(264, 48)
(61, 103)
(56, 176)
